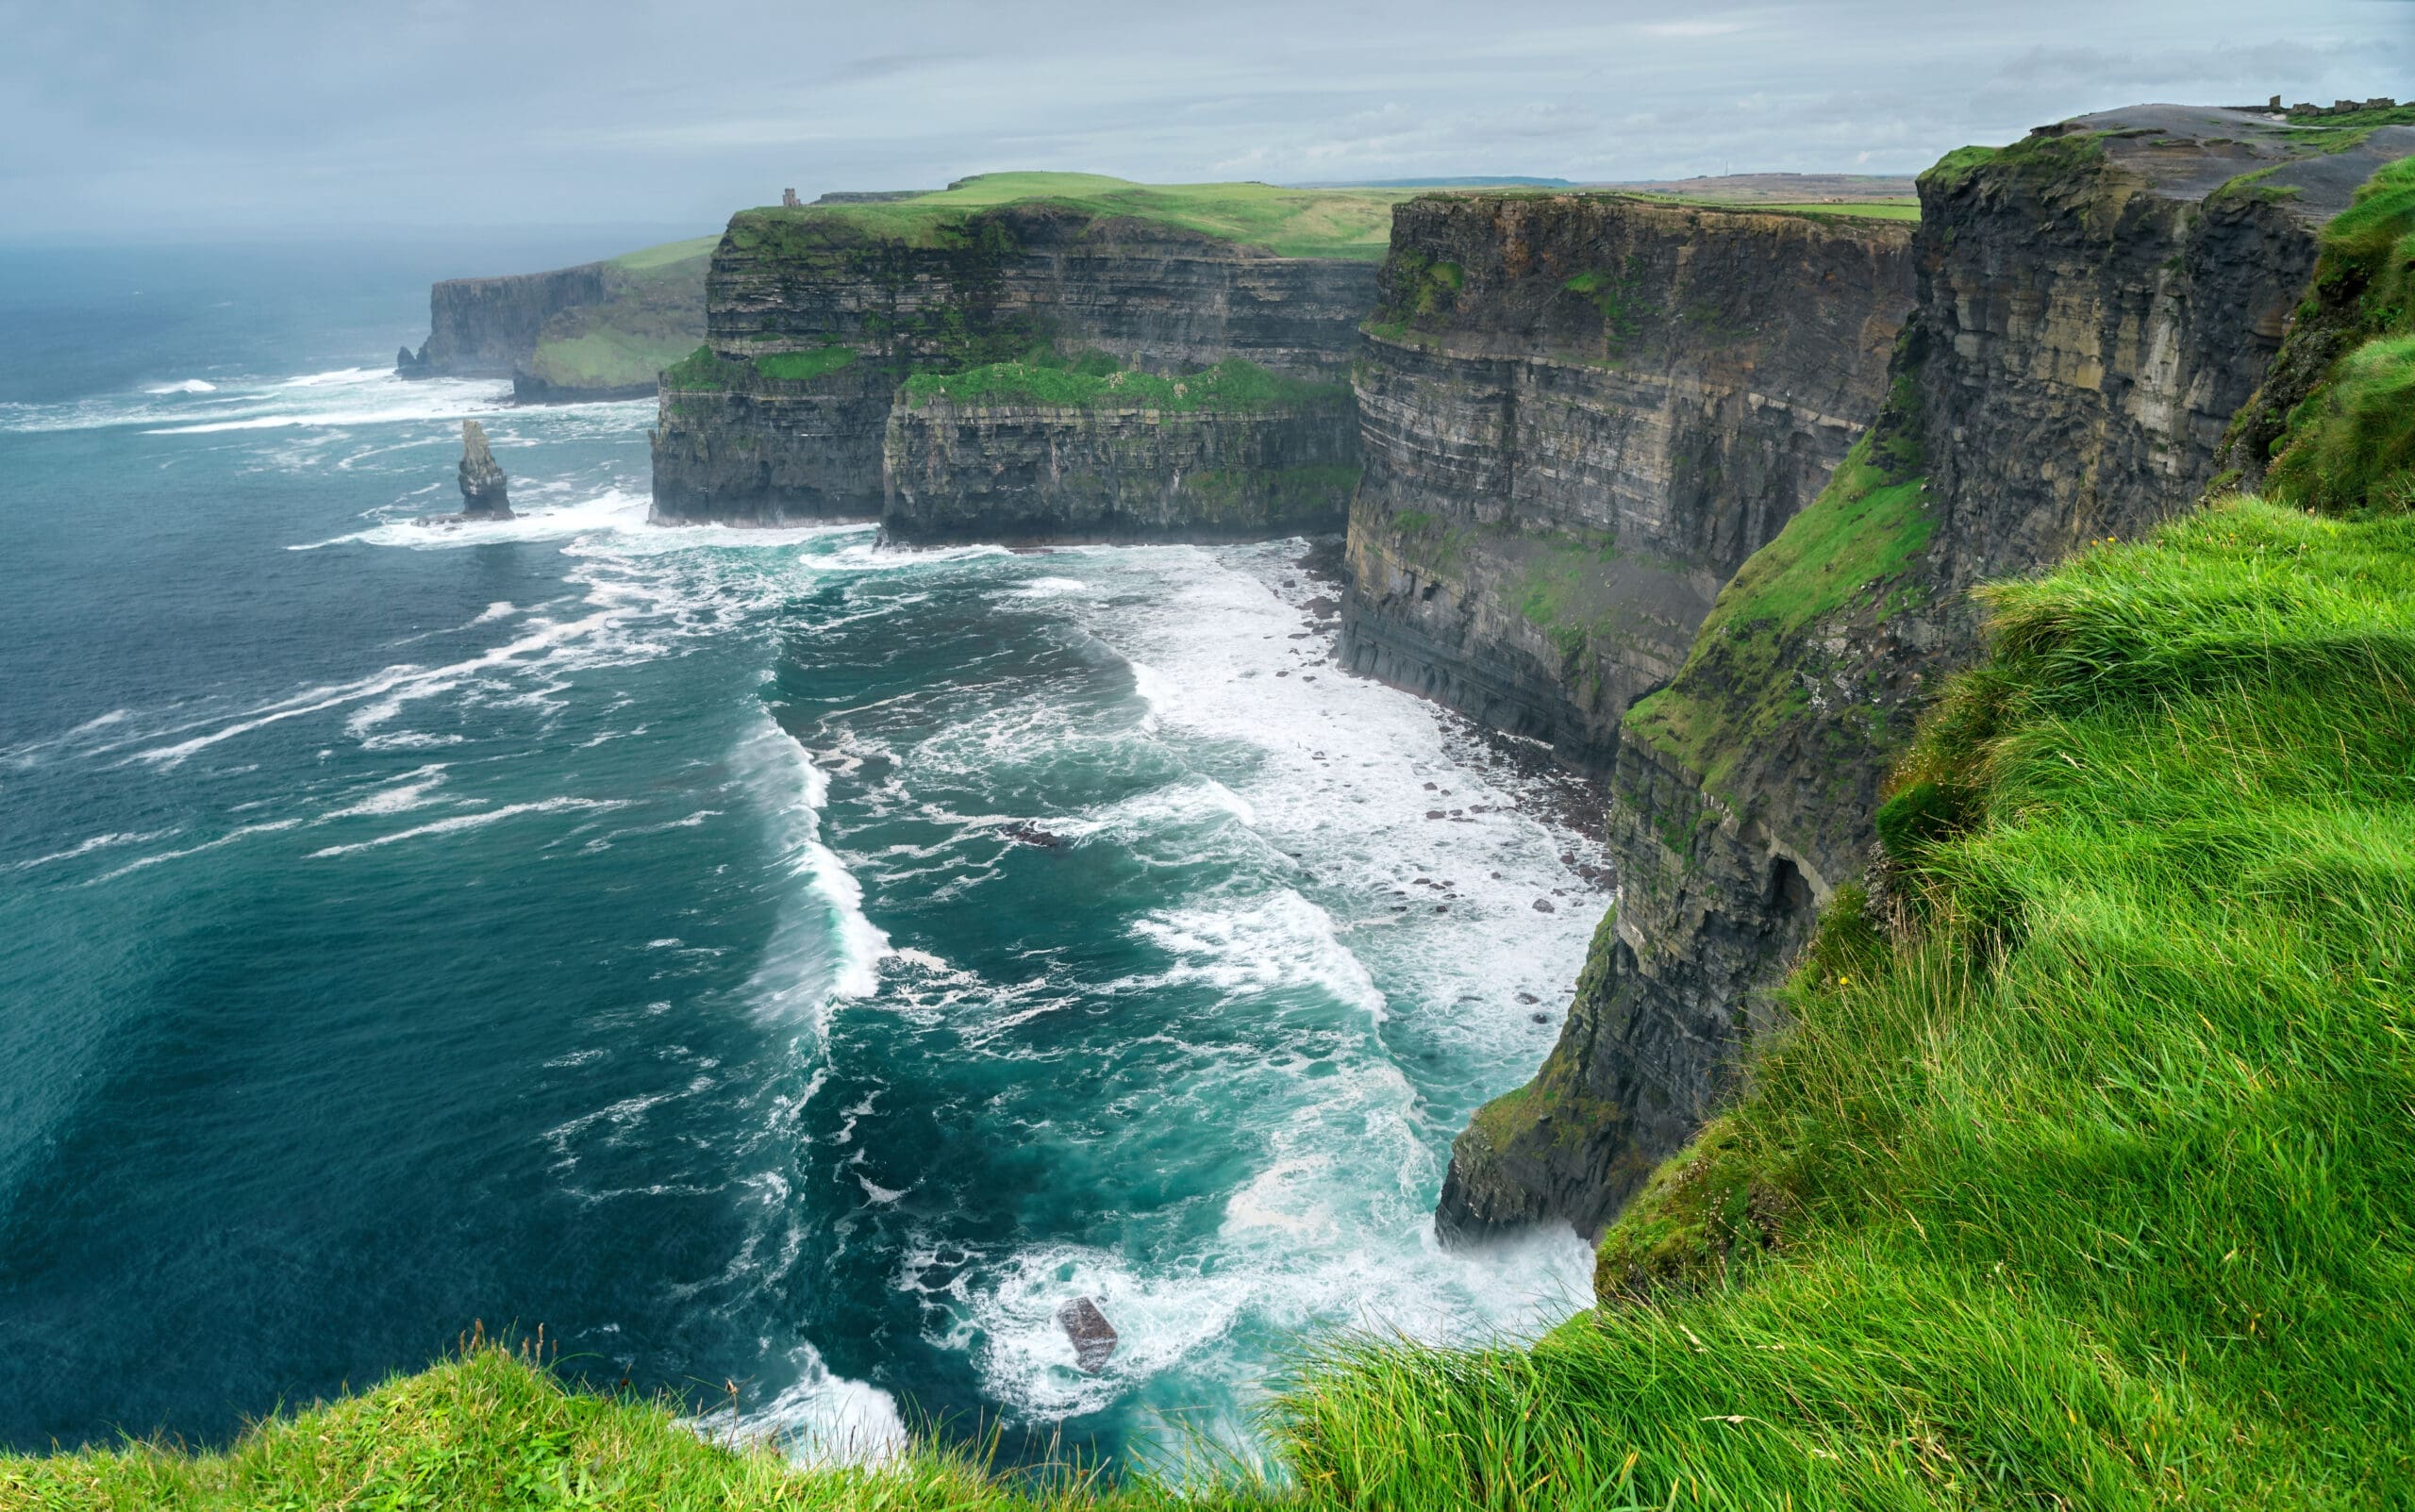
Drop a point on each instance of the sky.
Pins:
(191, 118)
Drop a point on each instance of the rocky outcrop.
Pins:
(1029, 474)
(2093, 305)
(816, 315)
(485, 492)
(759, 451)
(1581, 414)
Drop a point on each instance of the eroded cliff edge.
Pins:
(2094, 303)
(819, 317)
(1580, 414)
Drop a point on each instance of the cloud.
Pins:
(120, 115)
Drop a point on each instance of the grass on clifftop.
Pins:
(1906, 209)
(1294, 223)
(2352, 439)
(490, 1429)
(2096, 1187)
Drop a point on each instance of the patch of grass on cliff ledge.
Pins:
(1858, 536)
(2086, 1176)
(1095, 380)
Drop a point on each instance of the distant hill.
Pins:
(1495, 181)
(1774, 189)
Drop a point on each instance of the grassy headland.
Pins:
(1292, 222)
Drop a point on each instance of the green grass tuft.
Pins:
(1857, 538)
(2349, 443)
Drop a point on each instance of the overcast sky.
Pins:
(210, 116)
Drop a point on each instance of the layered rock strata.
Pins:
(817, 315)
(1580, 415)
(1031, 474)
(2093, 305)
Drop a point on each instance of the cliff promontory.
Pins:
(1580, 414)
(1032, 296)
(2094, 303)
(599, 330)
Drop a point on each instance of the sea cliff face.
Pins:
(1029, 474)
(2093, 305)
(1580, 415)
(856, 308)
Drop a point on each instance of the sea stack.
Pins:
(484, 494)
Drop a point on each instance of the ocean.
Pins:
(786, 968)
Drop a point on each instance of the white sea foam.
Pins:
(87, 847)
(478, 820)
(188, 386)
(818, 1419)
(840, 956)
(243, 832)
(401, 796)
(1361, 935)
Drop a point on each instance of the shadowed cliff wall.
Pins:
(967, 290)
(1580, 415)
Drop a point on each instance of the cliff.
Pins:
(598, 330)
(2093, 305)
(1581, 414)
(1030, 474)
(818, 315)
(488, 328)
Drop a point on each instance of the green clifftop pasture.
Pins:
(1292, 223)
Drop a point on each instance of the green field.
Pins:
(1907, 209)
(1294, 223)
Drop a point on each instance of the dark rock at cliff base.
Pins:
(485, 494)
(1093, 1336)
(410, 364)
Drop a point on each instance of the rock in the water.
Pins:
(484, 493)
(1093, 1336)
(410, 364)
(1033, 834)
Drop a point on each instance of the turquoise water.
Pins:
(568, 920)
